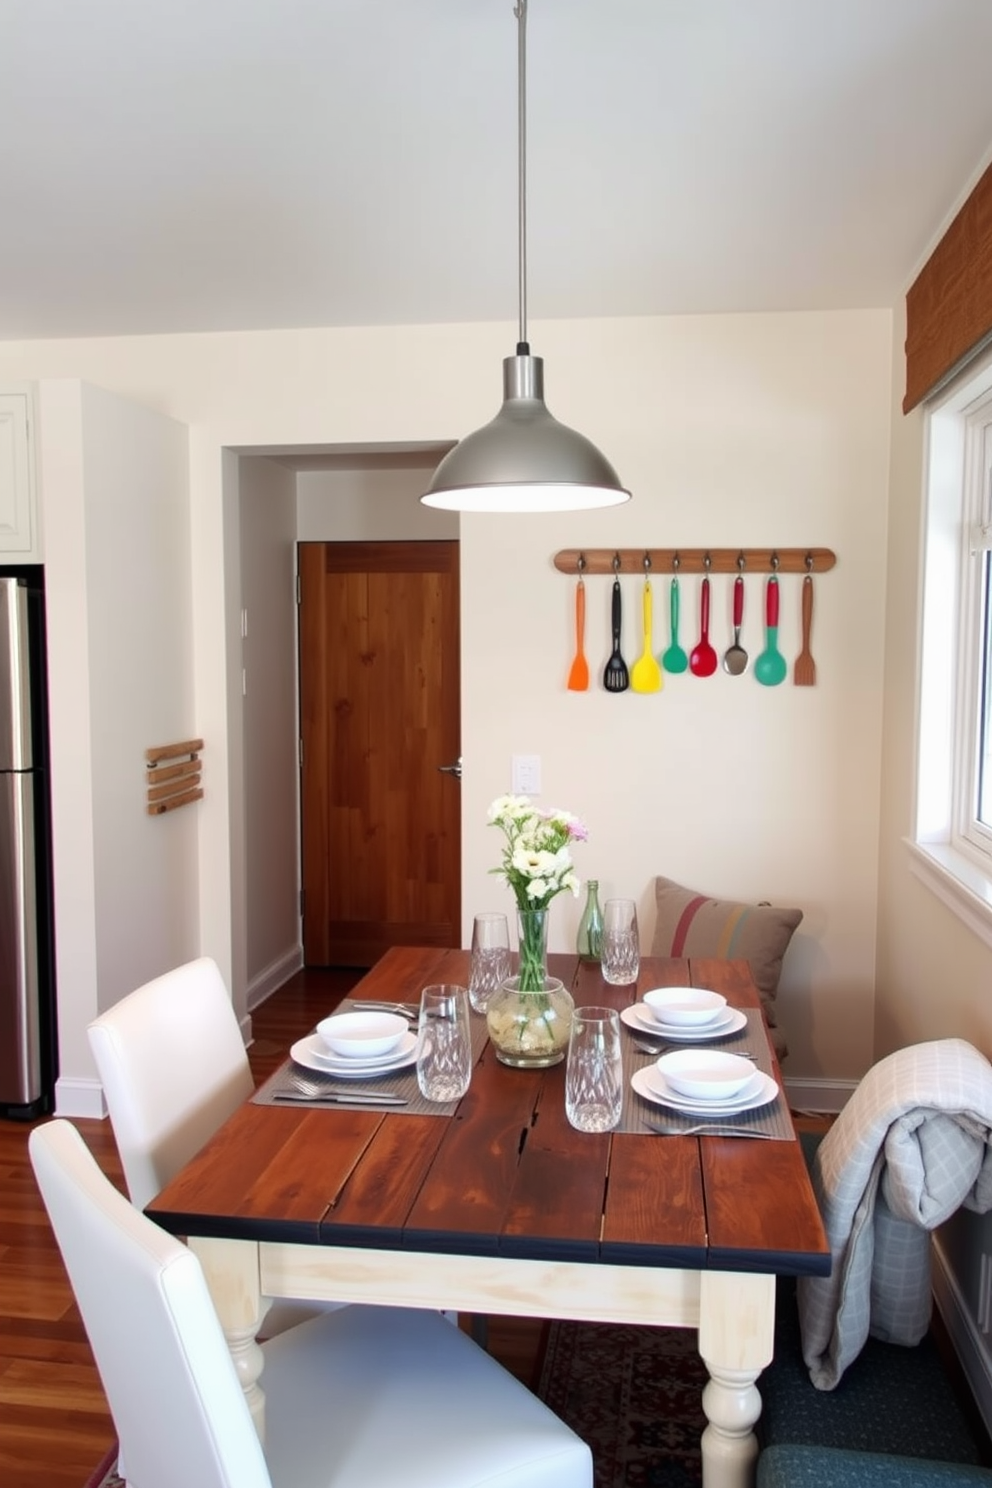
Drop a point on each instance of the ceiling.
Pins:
(203, 165)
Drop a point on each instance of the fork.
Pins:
(404, 1009)
(304, 1089)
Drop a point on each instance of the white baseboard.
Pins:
(80, 1098)
(273, 976)
(819, 1095)
(963, 1332)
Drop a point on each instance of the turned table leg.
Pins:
(736, 1326)
(231, 1271)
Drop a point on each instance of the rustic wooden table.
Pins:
(503, 1208)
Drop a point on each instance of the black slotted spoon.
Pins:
(616, 678)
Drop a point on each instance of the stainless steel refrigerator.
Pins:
(28, 1045)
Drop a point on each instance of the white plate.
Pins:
(312, 1053)
(650, 1083)
(706, 1074)
(642, 1022)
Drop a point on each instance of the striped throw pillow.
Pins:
(693, 924)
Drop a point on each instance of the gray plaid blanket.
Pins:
(910, 1147)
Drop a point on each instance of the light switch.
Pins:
(526, 774)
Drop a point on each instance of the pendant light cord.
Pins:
(520, 11)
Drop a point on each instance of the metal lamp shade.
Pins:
(524, 460)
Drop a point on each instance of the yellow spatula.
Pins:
(645, 674)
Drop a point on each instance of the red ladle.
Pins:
(702, 658)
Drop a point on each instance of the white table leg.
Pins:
(231, 1271)
(736, 1327)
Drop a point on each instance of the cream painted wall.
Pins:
(731, 430)
(748, 432)
(267, 504)
(115, 487)
(366, 504)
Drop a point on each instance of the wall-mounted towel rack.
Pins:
(173, 775)
(694, 560)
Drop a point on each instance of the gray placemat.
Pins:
(639, 1115)
(402, 1082)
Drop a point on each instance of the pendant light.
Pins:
(524, 460)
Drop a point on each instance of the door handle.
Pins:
(455, 769)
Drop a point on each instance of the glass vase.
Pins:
(589, 940)
(529, 1017)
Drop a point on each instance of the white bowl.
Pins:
(362, 1035)
(706, 1074)
(684, 1006)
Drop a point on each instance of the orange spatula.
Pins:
(578, 676)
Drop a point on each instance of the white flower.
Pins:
(537, 862)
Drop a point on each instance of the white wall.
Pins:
(114, 482)
(731, 431)
(271, 760)
(746, 431)
(369, 503)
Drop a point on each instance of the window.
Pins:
(953, 837)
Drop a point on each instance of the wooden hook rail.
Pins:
(173, 775)
(694, 560)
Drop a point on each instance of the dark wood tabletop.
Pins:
(506, 1175)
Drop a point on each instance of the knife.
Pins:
(340, 1098)
(710, 1129)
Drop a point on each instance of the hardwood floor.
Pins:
(54, 1422)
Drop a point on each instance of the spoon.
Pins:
(645, 674)
(702, 658)
(771, 666)
(674, 659)
(578, 677)
(735, 657)
(616, 677)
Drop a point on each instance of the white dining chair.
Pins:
(173, 1066)
(357, 1398)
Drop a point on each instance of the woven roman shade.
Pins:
(949, 306)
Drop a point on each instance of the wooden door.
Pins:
(380, 714)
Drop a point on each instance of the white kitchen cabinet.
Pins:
(19, 529)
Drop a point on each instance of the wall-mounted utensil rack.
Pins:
(173, 775)
(694, 560)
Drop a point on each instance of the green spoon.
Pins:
(771, 667)
(674, 659)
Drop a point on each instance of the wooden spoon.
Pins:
(804, 672)
(578, 677)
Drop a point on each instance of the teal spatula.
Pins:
(674, 659)
(771, 667)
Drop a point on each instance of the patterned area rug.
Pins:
(634, 1395)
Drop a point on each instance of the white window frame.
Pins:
(950, 850)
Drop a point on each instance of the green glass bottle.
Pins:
(589, 940)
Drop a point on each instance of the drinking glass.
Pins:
(621, 955)
(490, 958)
(444, 1043)
(594, 1072)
